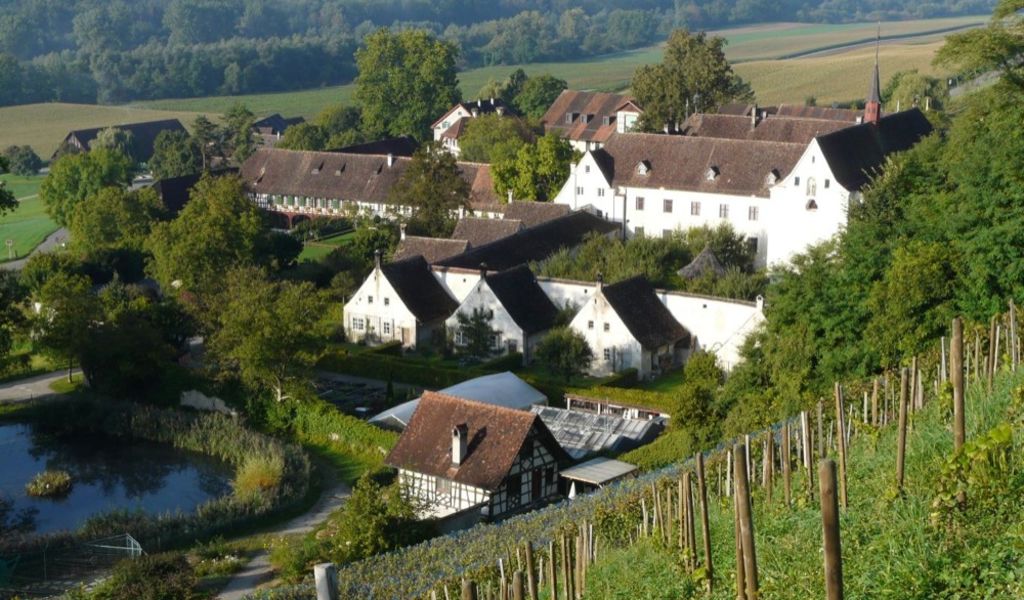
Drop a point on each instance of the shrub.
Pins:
(157, 577)
(49, 484)
(258, 475)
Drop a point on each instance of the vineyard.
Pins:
(906, 514)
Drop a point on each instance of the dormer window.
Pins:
(588, 118)
(606, 120)
(772, 177)
(643, 167)
(711, 174)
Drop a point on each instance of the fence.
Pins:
(53, 571)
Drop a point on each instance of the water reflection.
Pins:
(108, 473)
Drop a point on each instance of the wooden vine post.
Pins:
(841, 444)
(956, 351)
(746, 524)
(786, 475)
(468, 590)
(552, 571)
(531, 573)
(830, 530)
(705, 524)
(517, 586)
(901, 444)
(691, 539)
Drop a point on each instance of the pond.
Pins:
(107, 473)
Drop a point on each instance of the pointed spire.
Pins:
(873, 107)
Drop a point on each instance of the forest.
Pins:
(110, 52)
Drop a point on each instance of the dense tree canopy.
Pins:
(397, 99)
(175, 153)
(537, 171)
(114, 218)
(75, 177)
(434, 187)
(565, 353)
(694, 76)
(22, 160)
(492, 138)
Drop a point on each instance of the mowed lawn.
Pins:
(29, 224)
(314, 251)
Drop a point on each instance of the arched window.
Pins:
(812, 187)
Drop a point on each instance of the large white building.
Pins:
(783, 182)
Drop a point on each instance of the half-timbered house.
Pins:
(458, 455)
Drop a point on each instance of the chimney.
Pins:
(753, 117)
(492, 100)
(476, 112)
(391, 160)
(401, 231)
(600, 281)
(500, 110)
(460, 433)
(510, 196)
(483, 270)
(376, 259)
(479, 102)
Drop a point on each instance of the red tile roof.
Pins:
(588, 110)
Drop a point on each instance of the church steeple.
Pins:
(873, 107)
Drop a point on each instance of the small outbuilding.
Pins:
(595, 474)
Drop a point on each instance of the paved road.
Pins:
(25, 390)
(54, 240)
(258, 571)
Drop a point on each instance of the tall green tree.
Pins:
(69, 311)
(477, 331)
(175, 153)
(434, 187)
(537, 171)
(998, 46)
(304, 136)
(537, 94)
(694, 76)
(12, 295)
(219, 229)
(117, 139)
(75, 177)
(239, 136)
(406, 79)
(267, 332)
(7, 200)
(210, 139)
(564, 352)
(114, 219)
(22, 160)
(492, 138)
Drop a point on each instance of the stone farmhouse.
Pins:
(784, 180)
(452, 124)
(482, 460)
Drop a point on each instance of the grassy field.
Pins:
(842, 76)
(890, 547)
(314, 251)
(28, 224)
(44, 126)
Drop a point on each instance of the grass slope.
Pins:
(889, 548)
(29, 224)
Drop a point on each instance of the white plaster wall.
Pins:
(375, 314)
(793, 226)
(719, 326)
(458, 282)
(483, 298)
(561, 291)
(625, 351)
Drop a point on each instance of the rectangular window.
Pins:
(723, 211)
(495, 340)
(666, 205)
(796, 182)
(600, 192)
(515, 490)
(752, 213)
(695, 209)
(639, 202)
(460, 338)
(607, 327)
(387, 302)
(386, 328)
(607, 353)
(590, 324)
(369, 299)
(752, 244)
(638, 231)
(827, 183)
(568, 118)
(586, 168)
(579, 191)
(357, 324)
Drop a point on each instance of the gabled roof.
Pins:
(402, 145)
(534, 213)
(583, 434)
(482, 106)
(768, 129)
(519, 293)
(588, 111)
(819, 112)
(457, 129)
(495, 437)
(419, 290)
(500, 389)
(143, 135)
(854, 154)
(643, 314)
(705, 262)
(678, 162)
(276, 124)
(431, 249)
(534, 243)
(345, 176)
(479, 231)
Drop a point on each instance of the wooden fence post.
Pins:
(786, 483)
(901, 447)
(821, 429)
(830, 529)
(741, 578)
(841, 444)
(468, 590)
(552, 571)
(805, 423)
(705, 525)
(531, 572)
(691, 541)
(746, 521)
(990, 367)
(1014, 348)
(874, 404)
(517, 585)
(325, 577)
